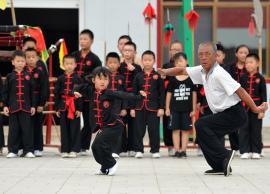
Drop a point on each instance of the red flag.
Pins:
(37, 34)
(149, 13)
(251, 27)
(193, 18)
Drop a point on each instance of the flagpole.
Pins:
(149, 31)
(13, 13)
(260, 52)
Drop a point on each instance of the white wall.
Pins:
(109, 19)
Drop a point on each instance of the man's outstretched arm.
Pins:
(173, 71)
(245, 97)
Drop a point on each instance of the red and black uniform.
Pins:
(104, 113)
(19, 98)
(167, 133)
(147, 108)
(2, 139)
(236, 74)
(128, 81)
(202, 100)
(85, 66)
(117, 84)
(43, 67)
(67, 105)
(41, 87)
(250, 136)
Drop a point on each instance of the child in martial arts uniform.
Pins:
(147, 111)
(30, 42)
(19, 105)
(68, 108)
(109, 126)
(129, 69)
(41, 82)
(86, 61)
(117, 84)
(250, 136)
(236, 70)
(181, 102)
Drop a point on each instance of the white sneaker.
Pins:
(131, 154)
(170, 151)
(115, 156)
(30, 155)
(256, 156)
(83, 152)
(11, 155)
(112, 170)
(245, 156)
(38, 153)
(156, 155)
(262, 153)
(139, 155)
(199, 152)
(72, 155)
(123, 154)
(20, 152)
(99, 172)
(64, 155)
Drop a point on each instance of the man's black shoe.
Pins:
(227, 163)
(215, 172)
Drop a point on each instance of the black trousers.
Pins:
(20, 132)
(103, 144)
(37, 123)
(250, 136)
(150, 119)
(86, 132)
(234, 140)
(128, 134)
(2, 139)
(210, 130)
(70, 133)
(121, 145)
(167, 133)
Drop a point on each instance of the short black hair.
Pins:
(88, 32)
(179, 55)
(254, 56)
(113, 55)
(241, 46)
(220, 47)
(69, 57)
(149, 52)
(31, 50)
(29, 39)
(17, 53)
(125, 37)
(101, 71)
(130, 43)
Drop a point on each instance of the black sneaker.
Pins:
(182, 155)
(215, 172)
(176, 154)
(227, 163)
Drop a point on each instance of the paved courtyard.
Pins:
(52, 174)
